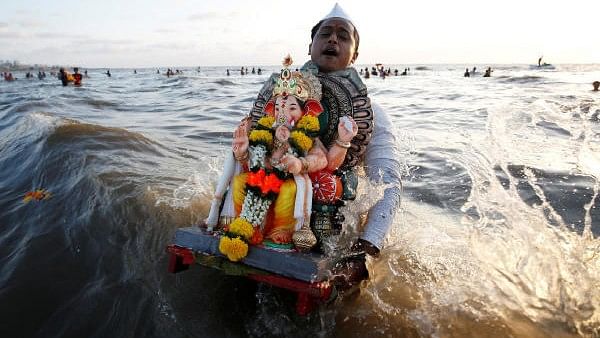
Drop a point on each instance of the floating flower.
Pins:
(37, 195)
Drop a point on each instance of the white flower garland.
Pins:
(255, 208)
(258, 153)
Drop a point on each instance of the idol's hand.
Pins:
(344, 134)
(240, 138)
(292, 163)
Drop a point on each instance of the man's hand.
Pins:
(349, 273)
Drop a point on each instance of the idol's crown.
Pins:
(302, 85)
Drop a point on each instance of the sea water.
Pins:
(497, 234)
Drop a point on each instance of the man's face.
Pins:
(333, 47)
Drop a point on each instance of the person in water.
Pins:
(63, 76)
(467, 73)
(488, 72)
(333, 49)
(596, 84)
(76, 77)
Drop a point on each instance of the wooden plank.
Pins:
(309, 267)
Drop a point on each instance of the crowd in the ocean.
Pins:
(473, 72)
(379, 70)
(376, 71)
(244, 71)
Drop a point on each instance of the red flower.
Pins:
(255, 179)
(271, 183)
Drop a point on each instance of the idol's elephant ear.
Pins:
(313, 107)
(269, 108)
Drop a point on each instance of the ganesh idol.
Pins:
(266, 184)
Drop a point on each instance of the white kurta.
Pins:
(382, 161)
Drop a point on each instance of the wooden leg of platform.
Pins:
(304, 304)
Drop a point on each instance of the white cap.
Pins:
(338, 12)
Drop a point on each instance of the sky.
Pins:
(135, 33)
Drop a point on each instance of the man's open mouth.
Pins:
(330, 52)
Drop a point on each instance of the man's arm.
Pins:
(383, 165)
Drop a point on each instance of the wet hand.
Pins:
(349, 273)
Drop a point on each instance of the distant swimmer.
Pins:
(76, 77)
(405, 72)
(596, 84)
(540, 61)
(467, 73)
(259, 71)
(108, 72)
(488, 72)
(63, 76)
(228, 72)
(134, 71)
(8, 77)
(158, 71)
(474, 71)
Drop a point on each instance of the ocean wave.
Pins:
(224, 82)
(521, 79)
(100, 137)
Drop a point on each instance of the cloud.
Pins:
(168, 45)
(165, 31)
(87, 41)
(11, 35)
(206, 16)
(30, 23)
(3, 24)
